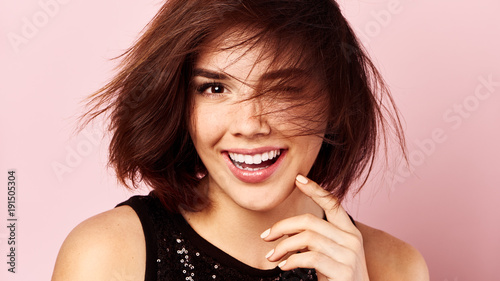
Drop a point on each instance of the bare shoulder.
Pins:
(108, 246)
(389, 258)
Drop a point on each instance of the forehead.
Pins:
(245, 62)
(248, 53)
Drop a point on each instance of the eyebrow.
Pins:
(271, 75)
(209, 74)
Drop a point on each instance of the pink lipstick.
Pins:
(254, 165)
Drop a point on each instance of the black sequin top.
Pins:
(174, 251)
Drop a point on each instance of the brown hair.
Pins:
(148, 101)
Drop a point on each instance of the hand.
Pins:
(333, 247)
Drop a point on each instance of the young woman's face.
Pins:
(250, 147)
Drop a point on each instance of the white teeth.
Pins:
(240, 158)
(265, 156)
(248, 159)
(248, 168)
(255, 158)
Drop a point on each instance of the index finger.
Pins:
(334, 212)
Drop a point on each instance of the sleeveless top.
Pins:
(174, 251)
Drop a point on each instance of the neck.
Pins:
(233, 228)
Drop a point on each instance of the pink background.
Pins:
(435, 55)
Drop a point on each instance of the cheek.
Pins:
(298, 120)
(309, 151)
(207, 125)
(313, 146)
(308, 147)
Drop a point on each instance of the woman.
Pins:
(250, 120)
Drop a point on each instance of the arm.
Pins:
(109, 246)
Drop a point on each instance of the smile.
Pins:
(254, 162)
(253, 166)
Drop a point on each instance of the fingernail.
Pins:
(265, 233)
(270, 253)
(281, 264)
(301, 179)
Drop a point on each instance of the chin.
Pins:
(259, 200)
(259, 206)
(256, 197)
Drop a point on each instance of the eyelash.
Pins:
(203, 87)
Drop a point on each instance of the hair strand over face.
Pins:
(148, 101)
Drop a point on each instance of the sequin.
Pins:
(176, 249)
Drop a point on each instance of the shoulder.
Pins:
(108, 246)
(389, 258)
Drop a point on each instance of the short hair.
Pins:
(148, 101)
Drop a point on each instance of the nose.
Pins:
(248, 119)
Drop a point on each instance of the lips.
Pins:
(253, 166)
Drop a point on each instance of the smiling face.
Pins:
(245, 124)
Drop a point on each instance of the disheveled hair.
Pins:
(149, 100)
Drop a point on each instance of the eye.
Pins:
(211, 89)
